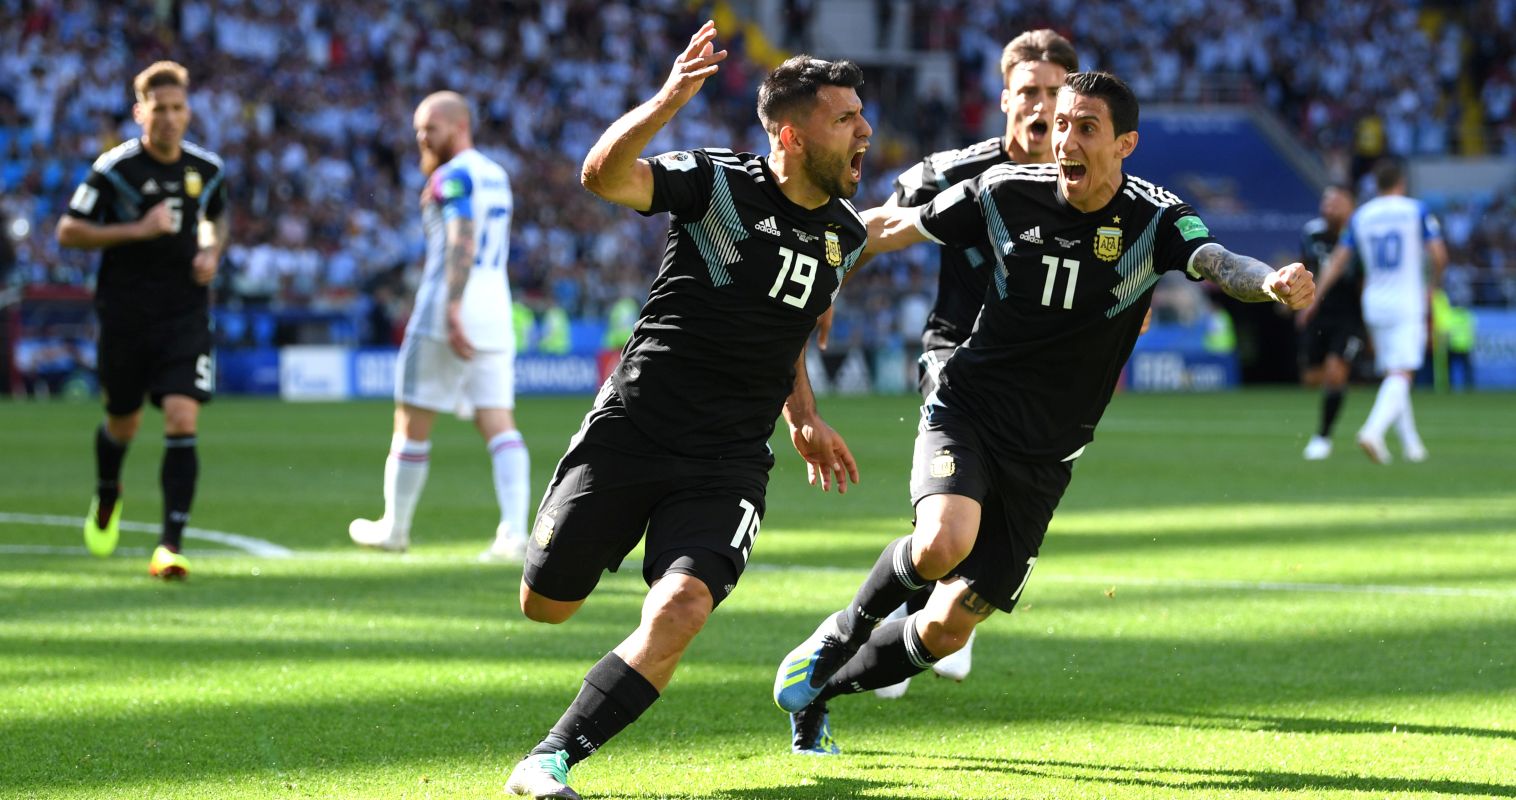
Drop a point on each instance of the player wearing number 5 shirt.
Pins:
(1392, 235)
(459, 349)
(1077, 247)
(674, 451)
(155, 206)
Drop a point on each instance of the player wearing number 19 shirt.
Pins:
(675, 447)
(1077, 248)
(156, 208)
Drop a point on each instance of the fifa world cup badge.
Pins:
(1108, 243)
(833, 249)
(192, 182)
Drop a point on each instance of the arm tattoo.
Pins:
(458, 257)
(1239, 276)
(976, 605)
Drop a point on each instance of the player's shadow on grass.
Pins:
(1198, 780)
(1257, 722)
(819, 787)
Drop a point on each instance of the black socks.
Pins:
(613, 696)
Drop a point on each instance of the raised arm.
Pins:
(613, 169)
(1253, 281)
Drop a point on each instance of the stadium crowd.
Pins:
(310, 104)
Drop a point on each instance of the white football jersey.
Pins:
(473, 187)
(1390, 236)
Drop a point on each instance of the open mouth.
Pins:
(1038, 130)
(855, 165)
(1073, 171)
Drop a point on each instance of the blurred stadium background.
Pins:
(1250, 107)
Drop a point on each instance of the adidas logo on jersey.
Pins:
(1034, 235)
(151, 187)
(768, 226)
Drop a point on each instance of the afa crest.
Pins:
(1108, 243)
(192, 182)
(545, 525)
(833, 249)
(943, 465)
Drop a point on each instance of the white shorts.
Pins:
(1399, 345)
(428, 374)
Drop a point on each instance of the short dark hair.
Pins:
(1039, 45)
(1117, 95)
(794, 84)
(1339, 186)
(1388, 173)
(160, 73)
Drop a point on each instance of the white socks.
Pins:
(404, 477)
(1392, 405)
(512, 482)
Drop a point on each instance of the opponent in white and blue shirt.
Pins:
(459, 349)
(1395, 238)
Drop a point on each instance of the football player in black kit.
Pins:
(156, 208)
(675, 446)
(1077, 247)
(1033, 65)
(1334, 336)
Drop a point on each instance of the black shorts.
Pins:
(701, 516)
(1332, 335)
(173, 356)
(929, 369)
(1017, 500)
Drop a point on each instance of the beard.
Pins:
(830, 173)
(429, 162)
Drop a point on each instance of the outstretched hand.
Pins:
(1292, 285)
(826, 455)
(699, 61)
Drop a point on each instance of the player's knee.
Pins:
(939, 547)
(678, 609)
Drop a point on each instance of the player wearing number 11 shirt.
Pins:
(675, 447)
(1077, 248)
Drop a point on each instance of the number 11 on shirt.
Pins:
(1053, 263)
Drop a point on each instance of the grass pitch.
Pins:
(1212, 617)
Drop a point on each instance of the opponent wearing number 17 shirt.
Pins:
(459, 349)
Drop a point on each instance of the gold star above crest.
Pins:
(1116, 220)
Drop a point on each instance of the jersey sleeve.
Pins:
(918, 185)
(1181, 232)
(1431, 229)
(681, 183)
(1348, 239)
(955, 217)
(93, 198)
(215, 196)
(453, 192)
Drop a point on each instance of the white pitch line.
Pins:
(247, 544)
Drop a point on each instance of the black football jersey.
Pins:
(1344, 301)
(745, 275)
(962, 273)
(1068, 291)
(142, 282)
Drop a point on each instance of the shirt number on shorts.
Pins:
(205, 373)
(1053, 263)
(803, 273)
(747, 529)
(1030, 562)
